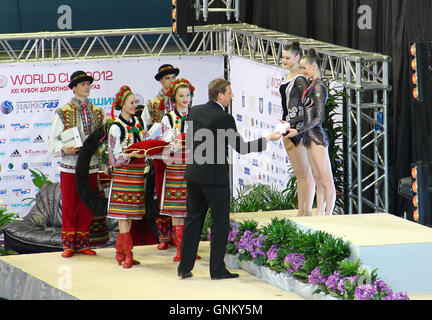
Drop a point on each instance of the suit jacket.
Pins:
(210, 130)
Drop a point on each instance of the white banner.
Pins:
(256, 107)
(30, 94)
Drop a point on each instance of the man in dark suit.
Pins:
(210, 130)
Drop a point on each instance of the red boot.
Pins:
(178, 236)
(162, 245)
(120, 256)
(127, 250)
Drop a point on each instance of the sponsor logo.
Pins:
(35, 152)
(3, 192)
(239, 118)
(10, 166)
(12, 178)
(20, 192)
(20, 126)
(255, 162)
(2, 126)
(15, 154)
(37, 165)
(247, 171)
(103, 101)
(3, 141)
(36, 105)
(19, 140)
(21, 205)
(241, 182)
(6, 107)
(269, 107)
(42, 124)
(38, 139)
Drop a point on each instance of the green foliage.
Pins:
(250, 225)
(5, 218)
(39, 179)
(261, 197)
(336, 131)
(330, 252)
(206, 226)
(279, 232)
(348, 268)
(102, 150)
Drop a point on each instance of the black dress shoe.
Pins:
(185, 275)
(227, 275)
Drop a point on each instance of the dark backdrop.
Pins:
(395, 24)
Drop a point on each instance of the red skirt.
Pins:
(174, 190)
(127, 194)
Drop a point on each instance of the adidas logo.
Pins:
(38, 139)
(15, 154)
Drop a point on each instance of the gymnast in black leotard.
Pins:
(314, 137)
(291, 91)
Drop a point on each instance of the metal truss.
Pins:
(205, 7)
(363, 75)
(99, 44)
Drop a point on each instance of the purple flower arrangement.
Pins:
(316, 277)
(251, 243)
(294, 261)
(272, 252)
(349, 288)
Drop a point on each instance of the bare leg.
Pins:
(320, 192)
(320, 163)
(305, 181)
(124, 225)
(177, 221)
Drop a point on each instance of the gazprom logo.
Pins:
(6, 107)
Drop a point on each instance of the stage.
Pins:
(399, 248)
(49, 276)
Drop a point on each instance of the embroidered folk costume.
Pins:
(76, 217)
(174, 190)
(153, 112)
(127, 193)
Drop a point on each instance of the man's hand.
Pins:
(136, 154)
(70, 150)
(291, 133)
(273, 136)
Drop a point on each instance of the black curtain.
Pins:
(395, 24)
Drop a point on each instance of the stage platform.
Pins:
(49, 276)
(400, 249)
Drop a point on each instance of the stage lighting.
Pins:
(178, 16)
(420, 68)
(421, 195)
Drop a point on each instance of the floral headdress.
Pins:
(175, 84)
(119, 98)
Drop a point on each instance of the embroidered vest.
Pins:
(73, 115)
(128, 134)
(177, 122)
